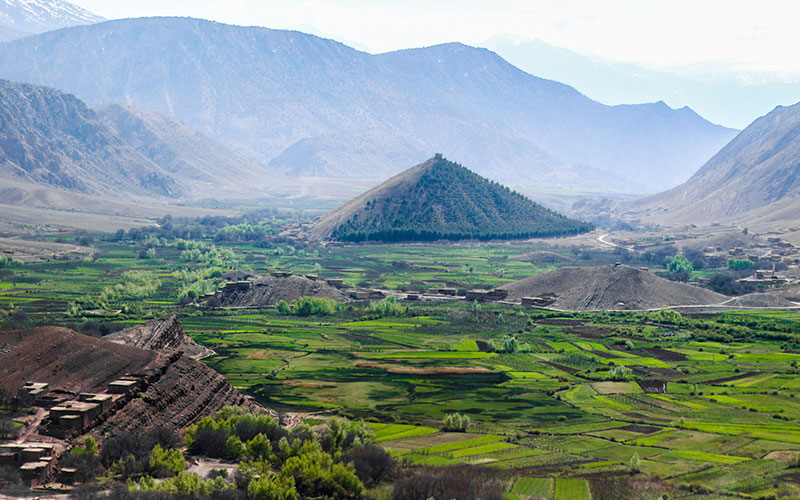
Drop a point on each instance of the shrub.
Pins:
(316, 474)
(272, 487)
(619, 373)
(164, 463)
(372, 463)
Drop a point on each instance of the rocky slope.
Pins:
(52, 139)
(177, 390)
(439, 199)
(610, 287)
(20, 18)
(316, 107)
(756, 176)
(159, 335)
(269, 290)
(185, 153)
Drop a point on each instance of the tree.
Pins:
(635, 463)
(235, 448)
(372, 463)
(456, 422)
(619, 373)
(283, 308)
(740, 264)
(165, 463)
(272, 487)
(315, 474)
(259, 448)
(510, 344)
(679, 268)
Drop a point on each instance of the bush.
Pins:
(316, 474)
(166, 463)
(272, 487)
(373, 464)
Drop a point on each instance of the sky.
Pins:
(754, 35)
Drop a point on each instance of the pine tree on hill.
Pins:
(442, 200)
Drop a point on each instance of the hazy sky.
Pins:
(761, 34)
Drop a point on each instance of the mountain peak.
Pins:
(756, 173)
(37, 16)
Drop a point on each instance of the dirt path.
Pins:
(602, 240)
(33, 426)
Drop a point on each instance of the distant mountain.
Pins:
(53, 139)
(183, 152)
(7, 34)
(709, 89)
(440, 199)
(20, 18)
(311, 106)
(756, 175)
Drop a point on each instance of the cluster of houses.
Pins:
(65, 414)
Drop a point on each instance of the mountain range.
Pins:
(756, 175)
(755, 178)
(20, 18)
(314, 107)
(708, 88)
(52, 139)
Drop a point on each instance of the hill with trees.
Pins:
(437, 200)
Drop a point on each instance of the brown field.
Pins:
(419, 442)
(430, 370)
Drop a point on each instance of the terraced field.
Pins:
(586, 405)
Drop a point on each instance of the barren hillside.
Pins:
(610, 287)
(177, 389)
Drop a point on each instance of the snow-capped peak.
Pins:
(38, 16)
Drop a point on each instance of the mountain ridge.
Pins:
(21, 18)
(299, 102)
(758, 169)
(53, 139)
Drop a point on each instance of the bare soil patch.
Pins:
(429, 370)
(660, 354)
(731, 378)
(591, 332)
(641, 429)
(653, 386)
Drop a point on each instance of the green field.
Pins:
(557, 417)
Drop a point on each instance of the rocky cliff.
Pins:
(161, 334)
(51, 138)
(175, 390)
